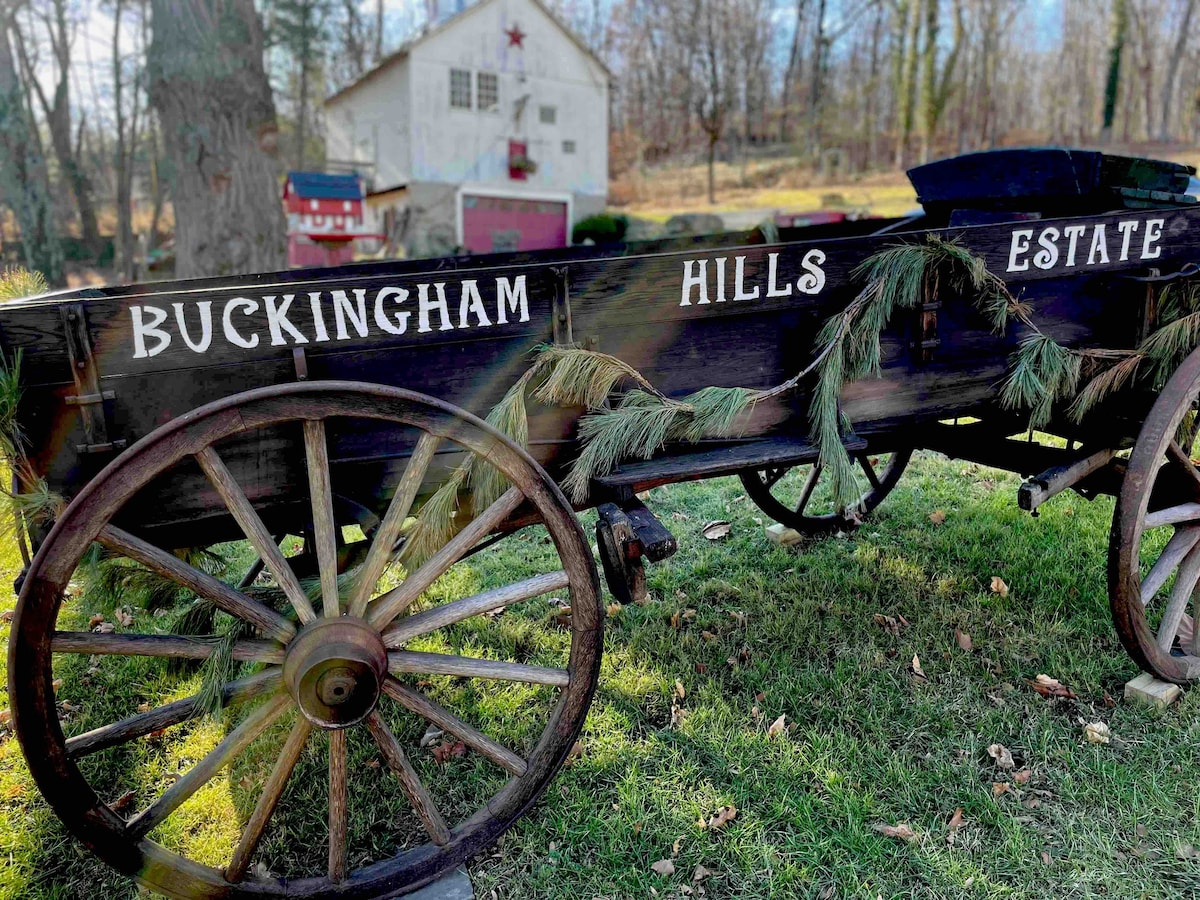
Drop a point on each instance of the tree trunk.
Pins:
(1168, 91)
(911, 23)
(712, 159)
(126, 135)
(1120, 28)
(789, 74)
(378, 30)
(929, 78)
(24, 183)
(218, 121)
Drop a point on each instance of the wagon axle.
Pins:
(334, 670)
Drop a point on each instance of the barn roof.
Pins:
(319, 186)
(402, 51)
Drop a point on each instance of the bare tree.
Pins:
(217, 115)
(1182, 34)
(127, 113)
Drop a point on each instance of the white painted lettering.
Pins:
(510, 297)
(277, 322)
(1048, 255)
(814, 278)
(143, 329)
(739, 289)
(425, 306)
(470, 301)
(381, 317)
(690, 281)
(773, 290)
(1152, 234)
(205, 307)
(1098, 243)
(1074, 232)
(720, 261)
(1127, 229)
(1019, 246)
(248, 307)
(356, 312)
(314, 302)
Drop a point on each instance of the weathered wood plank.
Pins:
(410, 782)
(469, 667)
(176, 646)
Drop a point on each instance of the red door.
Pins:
(505, 224)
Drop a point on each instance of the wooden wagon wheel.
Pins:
(330, 666)
(1160, 496)
(792, 495)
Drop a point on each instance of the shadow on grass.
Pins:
(747, 632)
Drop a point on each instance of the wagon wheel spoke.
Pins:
(810, 485)
(1173, 515)
(200, 583)
(769, 477)
(338, 810)
(316, 451)
(418, 703)
(268, 799)
(175, 646)
(1179, 456)
(473, 667)
(141, 724)
(1177, 602)
(449, 613)
(869, 470)
(1180, 544)
(387, 606)
(389, 529)
(252, 526)
(233, 744)
(418, 796)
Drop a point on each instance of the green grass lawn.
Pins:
(764, 631)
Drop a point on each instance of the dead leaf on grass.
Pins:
(1002, 755)
(777, 726)
(663, 867)
(614, 609)
(449, 750)
(701, 873)
(675, 846)
(999, 586)
(937, 517)
(1051, 687)
(681, 516)
(432, 735)
(887, 623)
(999, 787)
(1023, 776)
(7, 615)
(916, 667)
(963, 640)
(708, 636)
(1097, 733)
(957, 820)
(680, 691)
(716, 530)
(738, 617)
(722, 817)
(901, 831)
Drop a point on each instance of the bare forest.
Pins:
(129, 126)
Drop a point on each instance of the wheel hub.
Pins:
(334, 669)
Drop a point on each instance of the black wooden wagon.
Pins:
(329, 404)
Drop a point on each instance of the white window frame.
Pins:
(458, 94)
(494, 107)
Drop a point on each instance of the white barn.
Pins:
(489, 132)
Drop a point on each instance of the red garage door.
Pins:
(504, 224)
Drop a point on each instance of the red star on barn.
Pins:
(515, 36)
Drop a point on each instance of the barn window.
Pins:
(568, 146)
(547, 115)
(487, 91)
(460, 89)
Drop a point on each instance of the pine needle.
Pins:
(219, 668)
(17, 283)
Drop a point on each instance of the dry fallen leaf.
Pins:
(664, 867)
(998, 586)
(1046, 858)
(937, 517)
(999, 787)
(708, 636)
(7, 615)
(1051, 687)
(1023, 776)
(963, 640)
(1097, 733)
(680, 692)
(715, 530)
(449, 749)
(678, 715)
(723, 817)
(956, 821)
(700, 874)
(95, 620)
(901, 831)
(614, 609)
(123, 802)
(916, 667)
(105, 628)
(124, 618)
(675, 846)
(1002, 756)
(777, 726)
(432, 735)
(637, 828)
(887, 623)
